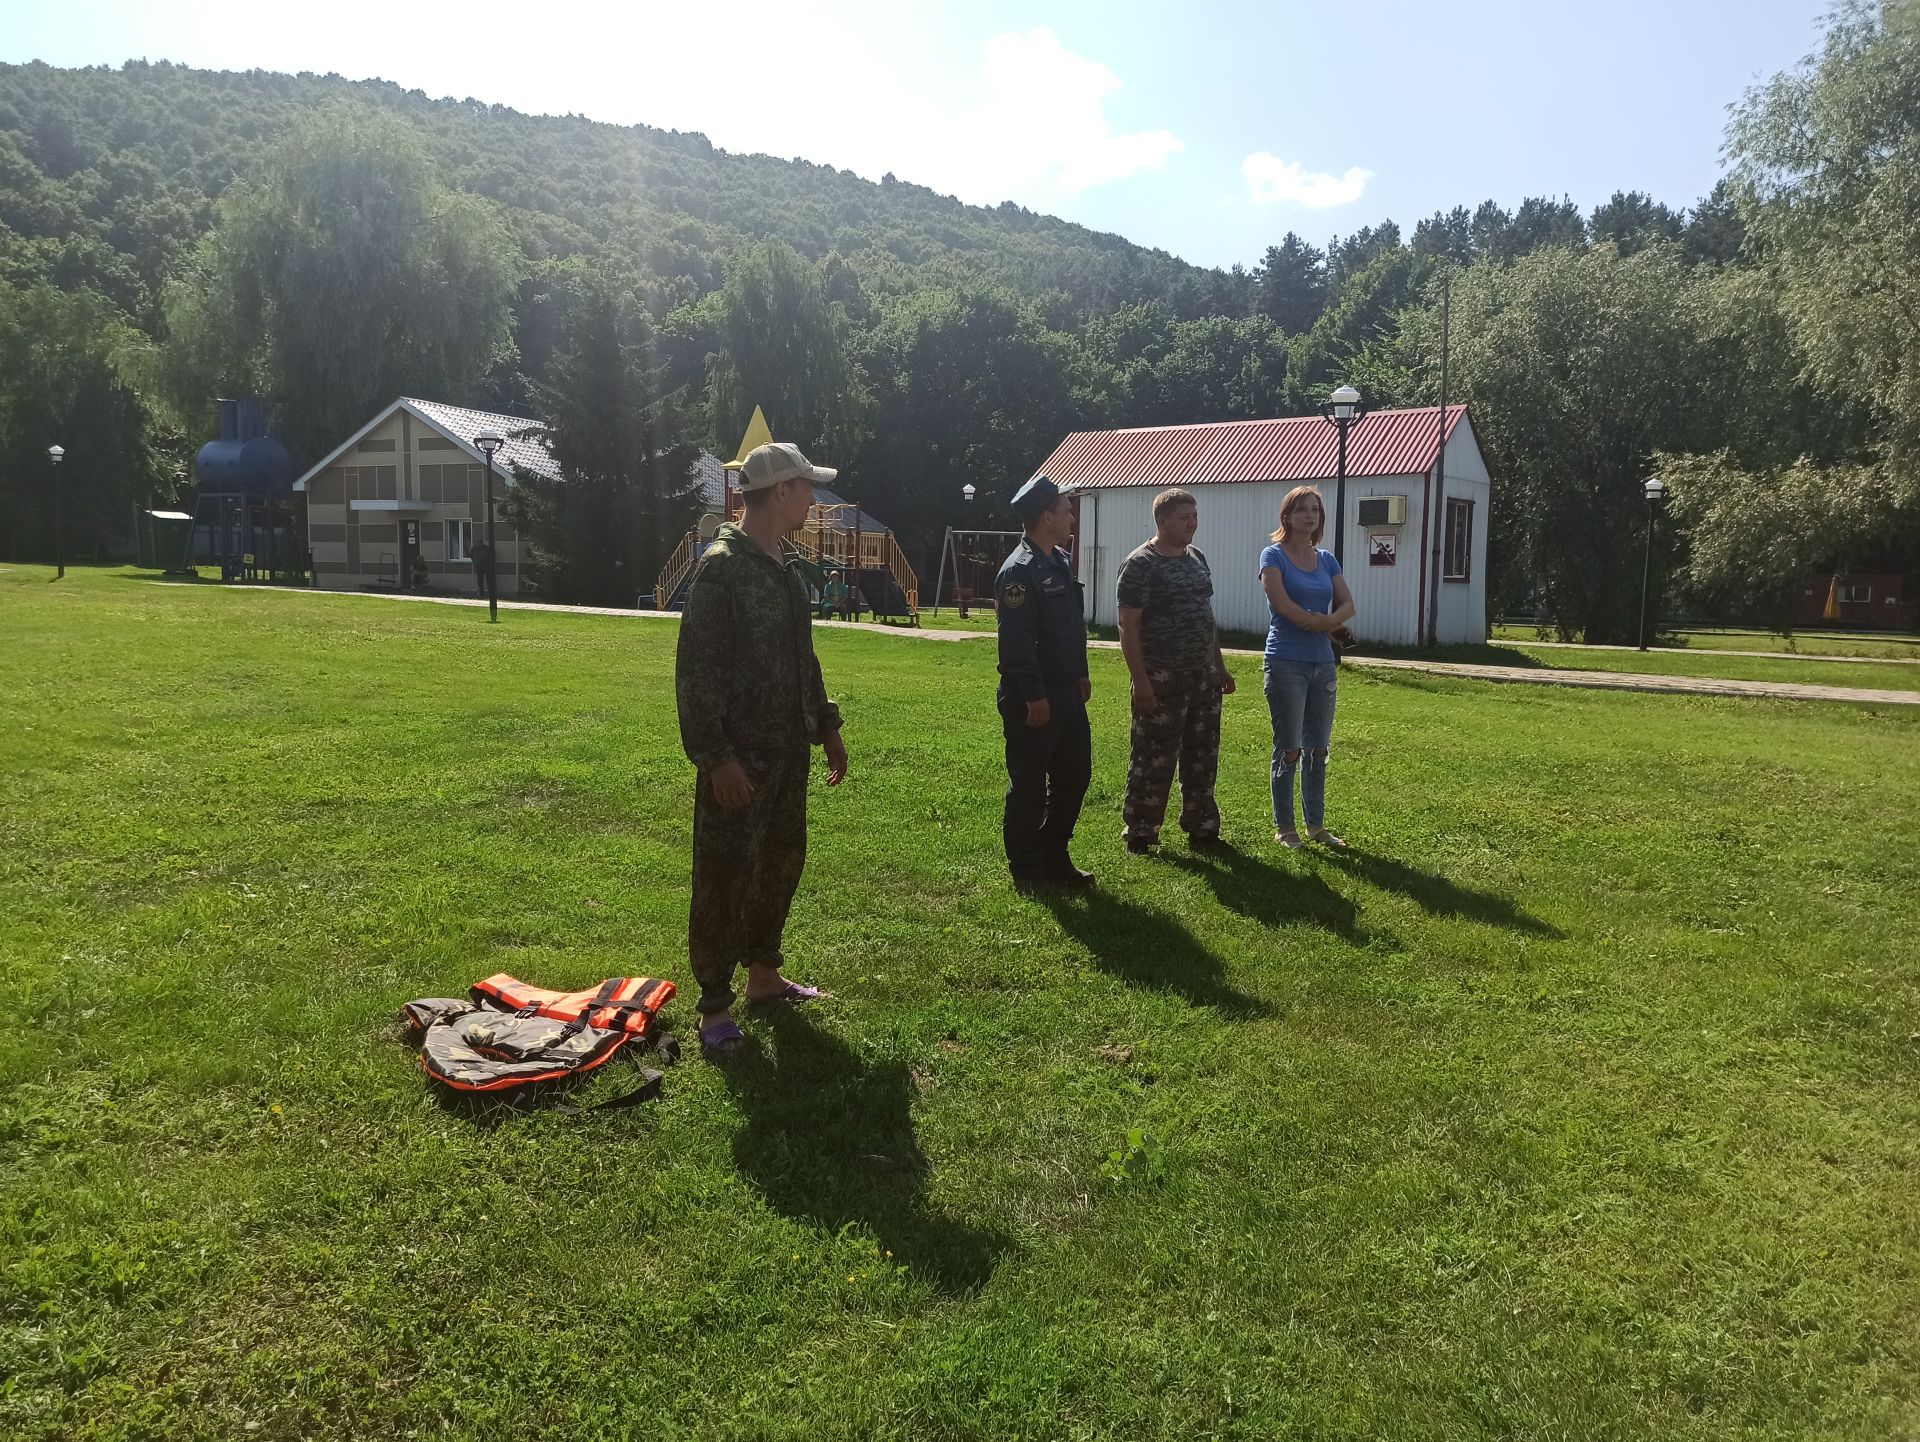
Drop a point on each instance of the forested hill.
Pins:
(106, 176)
(170, 235)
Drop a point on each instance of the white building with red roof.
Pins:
(1415, 536)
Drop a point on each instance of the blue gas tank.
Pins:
(245, 459)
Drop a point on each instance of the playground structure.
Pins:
(970, 563)
(245, 502)
(850, 566)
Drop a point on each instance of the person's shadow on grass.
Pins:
(1438, 896)
(1149, 949)
(1262, 892)
(829, 1141)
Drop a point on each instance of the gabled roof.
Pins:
(869, 523)
(713, 496)
(525, 445)
(1292, 448)
(713, 483)
(526, 448)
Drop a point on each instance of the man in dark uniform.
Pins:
(1044, 686)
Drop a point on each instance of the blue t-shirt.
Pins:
(1310, 591)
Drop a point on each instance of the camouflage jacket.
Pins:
(745, 676)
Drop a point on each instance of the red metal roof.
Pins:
(1293, 448)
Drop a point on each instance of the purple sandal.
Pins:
(721, 1040)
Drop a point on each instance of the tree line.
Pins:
(167, 236)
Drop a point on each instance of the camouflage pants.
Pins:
(1184, 732)
(746, 867)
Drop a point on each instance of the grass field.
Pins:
(1582, 1100)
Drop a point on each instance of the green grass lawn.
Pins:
(1582, 1100)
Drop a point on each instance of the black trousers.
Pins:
(1048, 769)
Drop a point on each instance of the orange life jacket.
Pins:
(506, 1036)
(622, 1003)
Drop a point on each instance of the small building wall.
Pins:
(404, 460)
(1867, 601)
(1463, 604)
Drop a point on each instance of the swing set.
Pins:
(971, 561)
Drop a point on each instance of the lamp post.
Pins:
(1655, 490)
(1342, 409)
(56, 454)
(489, 442)
(967, 493)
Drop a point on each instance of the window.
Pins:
(376, 445)
(1855, 595)
(1458, 562)
(459, 540)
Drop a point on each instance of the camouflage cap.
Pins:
(767, 466)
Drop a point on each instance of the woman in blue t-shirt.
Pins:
(1308, 601)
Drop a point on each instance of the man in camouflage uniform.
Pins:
(1172, 647)
(752, 704)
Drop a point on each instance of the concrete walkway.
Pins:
(1519, 675)
(1634, 681)
(1708, 651)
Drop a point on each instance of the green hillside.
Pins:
(107, 175)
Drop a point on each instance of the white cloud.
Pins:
(1272, 181)
(1041, 116)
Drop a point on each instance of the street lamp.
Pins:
(489, 442)
(967, 493)
(56, 454)
(1655, 490)
(1342, 409)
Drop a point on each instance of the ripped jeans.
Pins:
(1300, 696)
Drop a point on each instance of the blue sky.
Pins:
(1209, 132)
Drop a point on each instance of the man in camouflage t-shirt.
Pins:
(1172, 646)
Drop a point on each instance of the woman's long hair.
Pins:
(1294, 498)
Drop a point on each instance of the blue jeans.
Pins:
(1300, 696)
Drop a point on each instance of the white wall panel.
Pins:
(1463, 604)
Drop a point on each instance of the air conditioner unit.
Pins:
(1382, 511)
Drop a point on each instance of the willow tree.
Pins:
(73, 364)
(778, 344)
(1827, 180)
(339, 276)
(1828, 157)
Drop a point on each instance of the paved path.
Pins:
(1709, 651)
(1636, 681)
(1520, 675)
